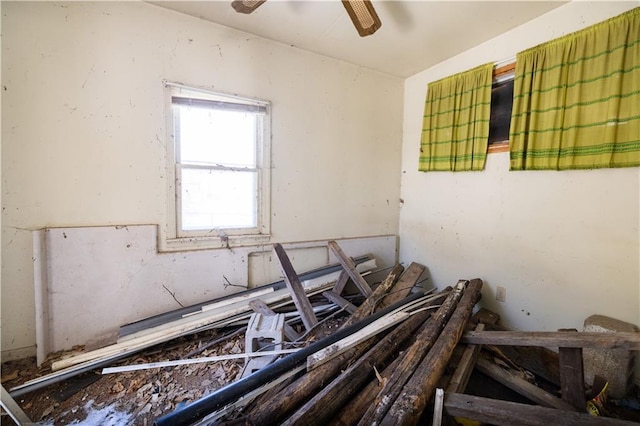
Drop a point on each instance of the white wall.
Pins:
(84, 132)
(565, 245)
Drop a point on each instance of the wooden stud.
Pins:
(340, 301)
(572, 375)
(350, 267)
(295, 287)
(524, 388)
(343, 279)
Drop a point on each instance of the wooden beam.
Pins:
(407, 281)
(295, 287)
(408, 407)
(350, 267)
(343, 279)
(572, 375)
(334, 297)
(564, 339)
(521, 386)
(260, 307)
(376, 300)
(460, 377)
(504, 413)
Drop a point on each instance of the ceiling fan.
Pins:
(361, 12)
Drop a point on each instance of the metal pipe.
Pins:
(198, 409)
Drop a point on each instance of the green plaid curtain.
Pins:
(455, 127)
(577, 99)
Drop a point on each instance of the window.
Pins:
(220, 156)
(501, 106)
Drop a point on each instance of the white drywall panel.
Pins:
(98, 278)
(564, 245)
(84, 130)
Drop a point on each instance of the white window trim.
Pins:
(169, 238)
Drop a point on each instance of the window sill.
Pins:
(208, 243)
(498, 147)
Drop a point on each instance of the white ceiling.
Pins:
(414, 35)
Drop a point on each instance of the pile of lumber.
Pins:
(399, 356)
(386, 362)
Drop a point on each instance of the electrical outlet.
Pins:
(501, 294)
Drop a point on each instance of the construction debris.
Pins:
(314, 354)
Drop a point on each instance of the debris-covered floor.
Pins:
(136, 397)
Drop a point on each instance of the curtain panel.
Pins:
(455, 127)
(577, 99)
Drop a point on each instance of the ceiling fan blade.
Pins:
(363, 15)
(246, 6)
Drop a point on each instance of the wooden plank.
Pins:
(13, 409)
(460, 377)
(177, 362)
(504, 413)
(343, 279)
(260, 307)
(628, 341)
(404, 285)
(437, 407)
(521, 386)
(295, 287)
(409, 406)
(350, 267)
(572, 375)
(340, 301)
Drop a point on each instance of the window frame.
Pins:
(174, 236)
(500, 74)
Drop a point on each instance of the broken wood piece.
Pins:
(343, 279)
(374, 302)
(330, 352)
(460, 377)
(521, 386)
(572, 375)
(11, 407)
(350, 267)
(564, 339)
(504, 413)
(177, 362)
(340, 301)
(405, 284)
(408, 407)
(262, 308)
(412, 357)
(295, 287)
